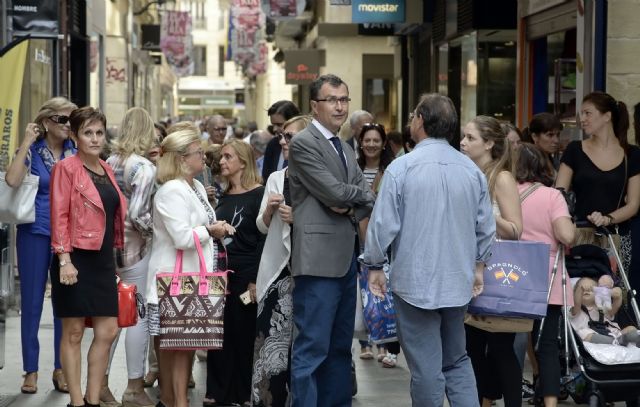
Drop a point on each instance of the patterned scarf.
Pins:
(47, 157)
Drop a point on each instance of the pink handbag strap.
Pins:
(177, 269)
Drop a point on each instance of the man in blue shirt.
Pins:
(434, 212)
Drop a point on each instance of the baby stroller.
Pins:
(592, 381)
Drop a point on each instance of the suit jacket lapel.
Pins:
(330, 152)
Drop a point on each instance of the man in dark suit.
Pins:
(279, 113)
(329, 195)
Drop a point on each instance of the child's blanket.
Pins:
(613, 354)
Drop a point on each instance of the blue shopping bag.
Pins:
(379, 314)
(516, 281)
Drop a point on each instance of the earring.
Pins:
(46, 129)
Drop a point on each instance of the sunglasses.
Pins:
(60, 119)
(287, 136)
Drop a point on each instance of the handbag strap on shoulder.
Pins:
(525, 194)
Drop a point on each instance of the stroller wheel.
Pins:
(564, 393)
(594, 400)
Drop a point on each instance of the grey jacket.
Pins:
(322, 240)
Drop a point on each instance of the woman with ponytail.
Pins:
(603, 170)
(494, 360)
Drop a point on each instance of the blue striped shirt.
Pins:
(434, 212)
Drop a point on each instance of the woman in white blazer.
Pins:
(180, 209)
(274, 284)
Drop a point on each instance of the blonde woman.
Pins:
(229, 369)
(180, 208)
(46, 141)
(492, 354)
(135, 176)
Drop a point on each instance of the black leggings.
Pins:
(496, 366)
(548, 353)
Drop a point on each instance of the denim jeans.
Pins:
(434, 345)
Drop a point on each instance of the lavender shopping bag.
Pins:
(379, 314)
(516, 281)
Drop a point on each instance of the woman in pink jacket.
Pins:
(87, 222)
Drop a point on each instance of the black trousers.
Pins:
(495, 365)
(229, 370)
(548, 353)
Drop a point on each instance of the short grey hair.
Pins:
(355, 116)
(439, 116)
(259, 140)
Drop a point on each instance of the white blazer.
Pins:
(177, 214)
(277, 246)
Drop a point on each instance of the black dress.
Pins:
(229, 369)
(96, 292)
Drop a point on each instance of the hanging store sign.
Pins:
(176, 42)
(302, 66)
(35, 16)
(380, 29)
(150, 37)
(377, 11)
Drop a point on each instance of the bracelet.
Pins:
(611, 219)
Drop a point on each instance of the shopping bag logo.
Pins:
(507, 274)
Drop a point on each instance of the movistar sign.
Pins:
(377, 11)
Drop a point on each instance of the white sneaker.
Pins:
(390, 360)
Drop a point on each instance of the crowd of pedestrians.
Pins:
(289, 212)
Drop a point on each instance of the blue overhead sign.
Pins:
(377, 11)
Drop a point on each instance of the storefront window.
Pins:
(496, 75)
(376, 99)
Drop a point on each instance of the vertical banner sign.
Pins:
(248, 48)
(12, 62)
(377, 11)
(176, 42)
(282, 9)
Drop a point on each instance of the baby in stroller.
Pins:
(597, 325)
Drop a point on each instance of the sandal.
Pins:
(366, 353)
(30, 384)
(209, 403)
(382, 353)
(59, 382)
(150, 378)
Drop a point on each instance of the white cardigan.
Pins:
(177, 214)
(277, 246)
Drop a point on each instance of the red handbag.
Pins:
(127, 306)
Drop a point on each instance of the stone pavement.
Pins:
(377, 386)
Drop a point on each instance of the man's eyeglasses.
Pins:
(286, 135)
(219, 129)
(333, 101)
(60, 119)
(200, 152)
(412, 115)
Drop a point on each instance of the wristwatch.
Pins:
(64, 263)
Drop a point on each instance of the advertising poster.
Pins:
(176, 42)
(12, 62)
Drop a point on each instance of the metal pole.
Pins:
(4, 23)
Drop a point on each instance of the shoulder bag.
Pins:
(18, 205)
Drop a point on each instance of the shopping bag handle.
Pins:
(203, 286)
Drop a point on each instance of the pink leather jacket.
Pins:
(77, 215)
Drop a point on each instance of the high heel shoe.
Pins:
(30, 384)
(87, 404)
(59, 382)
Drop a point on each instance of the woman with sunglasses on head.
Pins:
(46, 142)
(87, 222)
(374, 155)
(274, 284)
